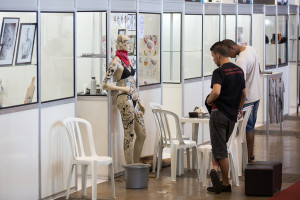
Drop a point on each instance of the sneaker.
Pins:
(252, 159)
(224, 188)
(215, 179)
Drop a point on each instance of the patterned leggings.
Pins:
(134, 128)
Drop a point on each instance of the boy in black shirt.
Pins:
(226, 98)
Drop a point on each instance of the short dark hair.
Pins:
(229, 43)
(220, 48)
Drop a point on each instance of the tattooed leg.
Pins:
(140, 133)
(126, 109)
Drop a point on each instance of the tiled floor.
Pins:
(283, 147)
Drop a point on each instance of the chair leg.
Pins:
(205, 166)
(201, 165)
(173, 163)
(197, 161)
(160, 150)
(69, 180)
(155, 151)
(94, 180)
(240, 157)
(84, 170)
(112, 179)
(188, 158)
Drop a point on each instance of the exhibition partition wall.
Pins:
(91, 56)
(50, 50)
(150, 64)
(193, 62)
(293, 32)
(172, 55)
(258, 42)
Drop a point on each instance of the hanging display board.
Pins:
(258, 9)
(57, 5)
(173, 5)
(212, 9)
(228, 9)
(244, 9)
(18, 5)
(193, 8)
(293, 9)
(123, 5)
(151, 6)
(283, 10)
(92, 5)
(270, 10)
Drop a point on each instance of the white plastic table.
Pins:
(195, 130)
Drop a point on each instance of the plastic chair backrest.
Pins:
(247, 110)
(155, 106)
(233, 133)
(75, 136)
(162, 123)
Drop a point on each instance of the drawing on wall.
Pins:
(8, 40)
(131, 22)
(120, 20)
(26, 43)
(122, 32)
(132, 60)
(149, 60)
(132, 43)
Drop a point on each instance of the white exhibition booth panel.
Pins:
(19, 145)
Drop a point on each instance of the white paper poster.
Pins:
(142, 27)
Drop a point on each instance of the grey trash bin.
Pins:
(136, 175)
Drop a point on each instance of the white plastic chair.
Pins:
(205, 153)
(242, 142)
(162, 118)
(80, 156)
(157, 143)
(157, 139)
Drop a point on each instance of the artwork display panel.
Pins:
(244, 30)
(211, 25)
(193, 46)
(8, 40)
(292, 38)
(91, 52)
(282, 39)
(270, 30)
(18, 84)
(57, 56)
(26, 43)
(171, 47)
(127, 23)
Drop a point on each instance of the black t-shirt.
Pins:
(231, 79)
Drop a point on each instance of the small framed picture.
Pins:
(122, 32)
(8, 40)
(132, 42)
(26, 43)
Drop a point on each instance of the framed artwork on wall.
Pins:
(26, 43)
(132, 42)
(122, 32)
(8, 39)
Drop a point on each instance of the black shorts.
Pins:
(220, 131)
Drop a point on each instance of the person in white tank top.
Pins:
(248, 60)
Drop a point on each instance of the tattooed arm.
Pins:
(114, 66)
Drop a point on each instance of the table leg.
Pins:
(195, 129)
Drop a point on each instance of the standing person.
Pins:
(226, 98)
(248, 60)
